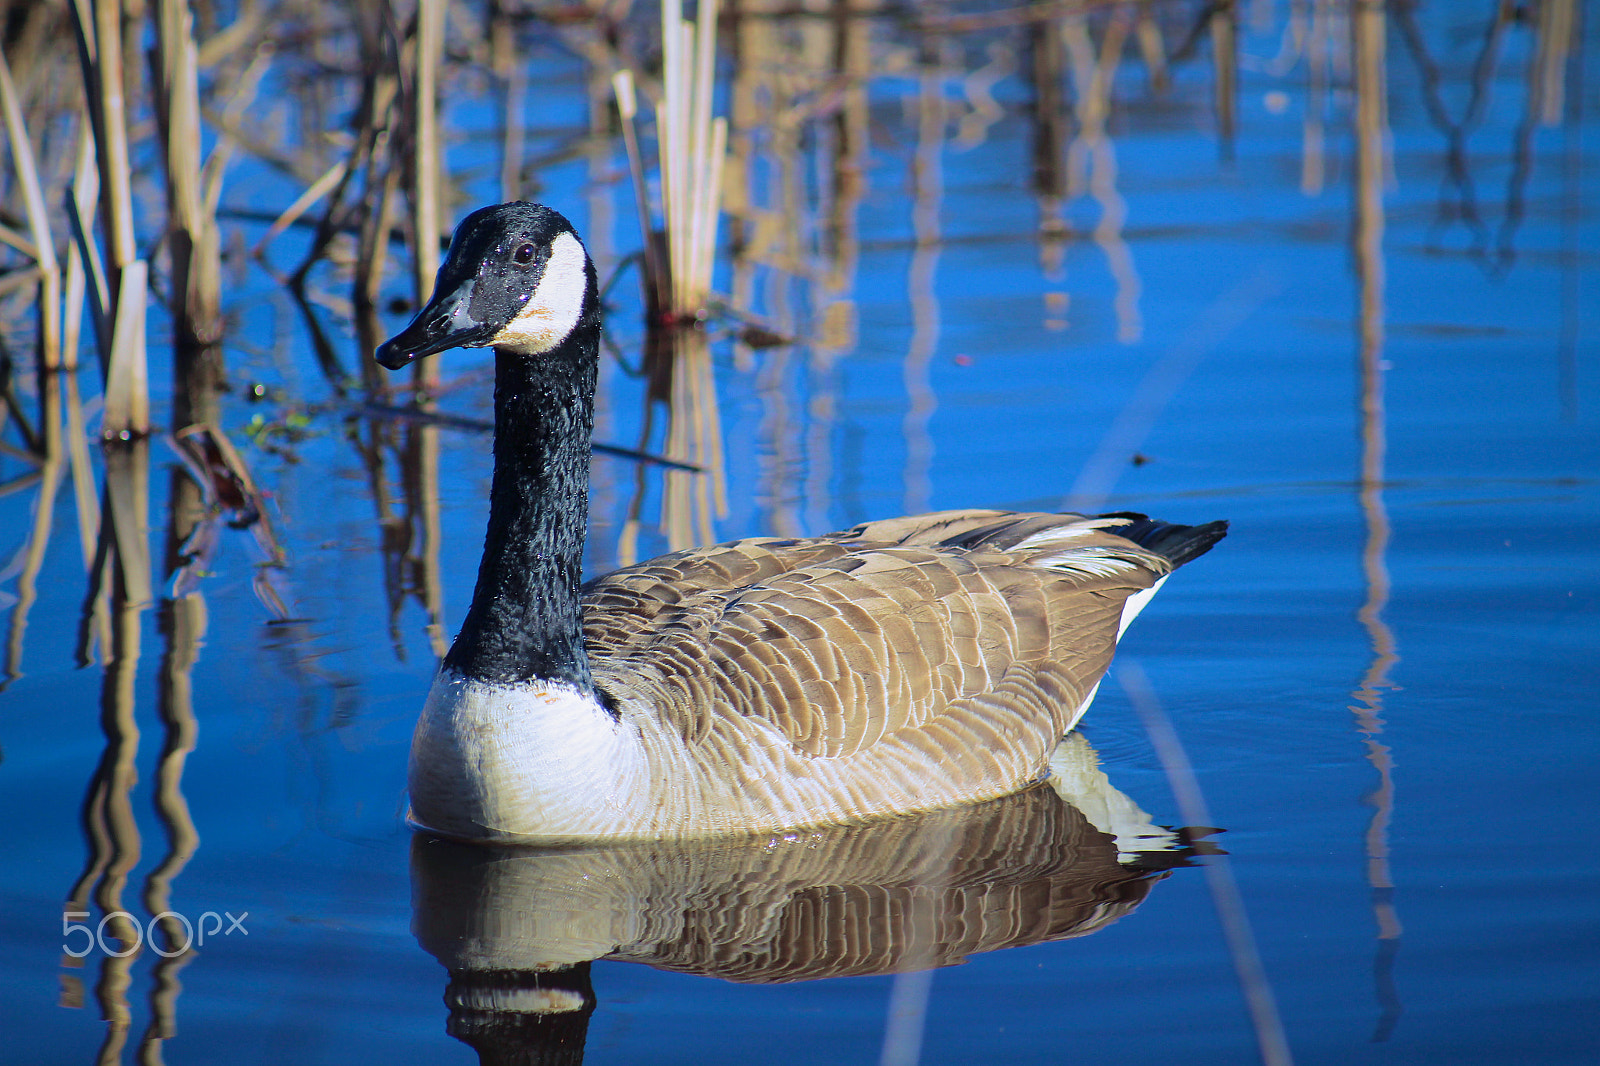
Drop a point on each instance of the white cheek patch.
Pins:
(553, 309)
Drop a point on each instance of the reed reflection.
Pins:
(799, 115)
(927, 197)
(48, 469)
(210, 489)
(517, 927)
(1372, 167)
(1092, 157)
(405, 454)
(120, 591)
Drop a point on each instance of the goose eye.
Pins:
(524, 254)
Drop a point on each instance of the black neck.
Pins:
(524, 623)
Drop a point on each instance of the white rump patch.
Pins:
(1135, 603)
(553, 309)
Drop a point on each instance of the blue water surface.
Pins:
(1384, 681)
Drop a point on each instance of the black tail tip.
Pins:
(1174, 543)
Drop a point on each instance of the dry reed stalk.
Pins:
(427, 168)
(1368, 29)
(1557, 28)
(20, 243)
(703, 242)
(513, 75)
(76, 283)
(50, 361)
(427, 161)
(1312, 163)
(326, 183)
(1224, 27)
(81, 199)
(100, 42)
(372, 158)
(85, 282)
(247, 27)
(428, 46)
(672, 146)
(658, 283)
(1050, 115)
(193, 186)
(127, 386)
(692, 148)
(432, 576)
(48, 277)
(708, 145)
(103, 78)
(244, 94)
(1152, 49)
(18, 279)
(44, 249)
(373, 249)
(195, 299)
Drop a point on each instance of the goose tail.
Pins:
(1174, 543)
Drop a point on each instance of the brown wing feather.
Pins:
(621, 606)
(881, 631)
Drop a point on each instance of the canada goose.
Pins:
(903, 665)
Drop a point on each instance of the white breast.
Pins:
(496, 761)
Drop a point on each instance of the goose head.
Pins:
(516, 278)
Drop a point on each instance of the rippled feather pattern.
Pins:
(901, 665)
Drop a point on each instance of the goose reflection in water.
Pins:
(517, 927)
